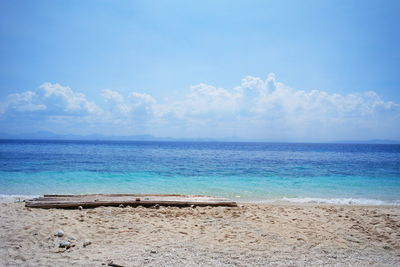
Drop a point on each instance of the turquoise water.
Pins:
(330, 173)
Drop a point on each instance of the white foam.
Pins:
(342, 201)
(15, 198)
(334, 201)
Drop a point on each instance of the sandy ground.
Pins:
(250, 235)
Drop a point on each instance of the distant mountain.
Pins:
(45, 135)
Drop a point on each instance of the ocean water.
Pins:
(249, 172)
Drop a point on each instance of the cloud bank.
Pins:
(256, 108)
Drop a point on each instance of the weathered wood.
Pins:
(112, 264)
(96, 200)
(126, 195)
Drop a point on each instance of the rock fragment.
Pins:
(87, 243)
(59, 233)
(65, 244)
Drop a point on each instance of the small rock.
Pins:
(153, 251)
(87, 243)
(121, 205)
(59, 233)
(80, 208)
(157, 206)
(65, 244)
(137, 199)
(193, 206)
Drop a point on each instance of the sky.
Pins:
(271, 70)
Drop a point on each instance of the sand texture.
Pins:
(250, 235)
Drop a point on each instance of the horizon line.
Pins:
(214, 140)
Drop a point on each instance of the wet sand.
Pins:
(250, 235)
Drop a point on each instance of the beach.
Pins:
(249, 235)
(199, 133)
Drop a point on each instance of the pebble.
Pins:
(153, 251)
(65, 244)
(59, 233)
(87, 243)
(121, 205)
(157, 206)
(193, 206)
(80, 208)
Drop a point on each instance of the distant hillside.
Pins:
(45, 135)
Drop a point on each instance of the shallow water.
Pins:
(328, 173)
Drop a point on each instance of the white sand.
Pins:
(252, 235)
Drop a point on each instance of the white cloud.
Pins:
(257, 108)
(23, 102)
(137, 106)
(206, 100)
(116, 102)
(62, 97)
(112, 96)
(139, 100)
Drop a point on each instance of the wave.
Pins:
(15, 198)
(342, 201)
(316, 200)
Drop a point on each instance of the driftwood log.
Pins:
(97, 200)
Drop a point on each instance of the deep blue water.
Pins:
(337, 173)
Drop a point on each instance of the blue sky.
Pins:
(279, 70)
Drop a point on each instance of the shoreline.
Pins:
(256, 234)
(362, 202)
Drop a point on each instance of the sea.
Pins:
(351, 174)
